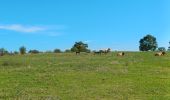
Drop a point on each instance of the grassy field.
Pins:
(137, 76)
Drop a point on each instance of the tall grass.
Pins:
(66, 76)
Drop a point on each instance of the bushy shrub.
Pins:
(67, 51)
(22, 50)
(57, 51)
(3, 52)
(34, 51)
(161, 49)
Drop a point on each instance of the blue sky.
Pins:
(50, 24)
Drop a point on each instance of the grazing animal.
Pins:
(77, 52)
(102, 51)
(105, 51)
(97, 52)
(160, 53)
(120, 54)
(163, 53)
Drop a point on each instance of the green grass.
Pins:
(137, 76)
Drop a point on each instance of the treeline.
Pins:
(23, 51)
(147, 43)
(77, 47)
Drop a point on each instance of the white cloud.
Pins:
(23, 28)
(49, 30)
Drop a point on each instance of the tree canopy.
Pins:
(34, 51)
(57, 51)
(161, 49)
(79, 47)
(147, 43)
(3, 51)
(169, 47)
(22, 50)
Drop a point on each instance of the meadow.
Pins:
(66, 76)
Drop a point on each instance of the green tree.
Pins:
(161, 49)
(3, 51)
(74, 49)
(34, 51)
(67, 51)
(79, 47)
(57, 51)
(16, 52)
(147, 43)
(169, 47)
(22, 50)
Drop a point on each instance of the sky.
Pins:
(116, 24)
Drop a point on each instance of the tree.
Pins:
(22, 50)
(57, 51)
(161, 49)
(3, 52)
(16, 52)
(79, 47)
(169, 47)
(67, 51)
(34, 51)
(74, 49)
(147, 43)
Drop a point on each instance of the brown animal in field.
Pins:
(163, 53)
(160, 53)
(77, 52)
(120, 54)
